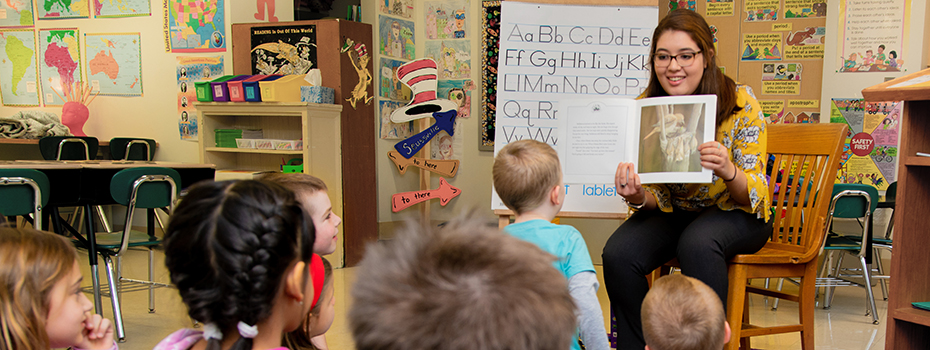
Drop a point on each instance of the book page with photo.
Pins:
(659, 135)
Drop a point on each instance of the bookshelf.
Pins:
(908, 327)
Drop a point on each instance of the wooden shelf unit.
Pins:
(908, 327)
(318, 125)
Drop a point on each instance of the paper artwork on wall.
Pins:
(16, 14)
(19, 75)
(682, 4)
(191, 69)
(401, 8)
(391, 87)
(447, 19)
(871, 148)
(59, 63)
(114, 63)
(121, 8)
(873, 35)
(393, 131)
(773, 110)
(442, 167)
(805, 8)
(761, 10)
(195, 26)
(719, 8)
(453, 58)
(807, 44)
(444, 193)
(285, 50)
(761, 47)
(396, 36)
(56, 9)
(781, 78)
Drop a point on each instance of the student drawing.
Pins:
(395, 34)
(452, 56)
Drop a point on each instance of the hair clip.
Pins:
(317, 275)
(211, 331)
(247, 331)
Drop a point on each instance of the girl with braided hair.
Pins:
(238, 252)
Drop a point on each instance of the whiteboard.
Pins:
(552, 52)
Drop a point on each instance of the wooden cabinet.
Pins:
(908, 327)
(318, 125)
(355, 92)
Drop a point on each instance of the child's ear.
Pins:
(295, 282)
(726, 332)
(554, 197)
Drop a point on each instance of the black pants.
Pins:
(702, 241)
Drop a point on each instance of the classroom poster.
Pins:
(773, 110)
(761, 10)
(191, 69)
(58, 9)
(719, 8)
(285, 50)
(805, 8)
(121, 8)
(682, 4)
(607, 51)
(871, 148)
(806, 44)
(195, 26)
(19, 75)
(453, 57)
(114, 63)
(16, 13)
(446, 19)
(761, 47)
(873, 35)
(60, 63)
(397, 38)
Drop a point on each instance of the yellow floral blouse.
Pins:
(744, 135)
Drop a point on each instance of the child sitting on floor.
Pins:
(683, 313)
(528, 179)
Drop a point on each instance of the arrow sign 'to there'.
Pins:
(445, 193)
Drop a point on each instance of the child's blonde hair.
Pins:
(683, 313)
(524, 172)
(299, 183)
(300, 338)
(31, 262)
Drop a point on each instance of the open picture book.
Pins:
(659, 135)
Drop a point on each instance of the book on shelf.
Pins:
(659, 135)
(923, 305)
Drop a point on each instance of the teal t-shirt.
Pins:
(563, 241)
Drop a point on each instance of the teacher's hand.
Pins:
(627, 181)
(716, 157)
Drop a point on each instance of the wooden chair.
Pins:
(805, 154)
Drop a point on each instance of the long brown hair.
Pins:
(714, 82)
(31, 262)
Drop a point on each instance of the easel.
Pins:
(504, 214)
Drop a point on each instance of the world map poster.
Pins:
(59, 63)
(195, 25)
(54, 9)
(18, 75)
(16, 13)
(114, 63)
(871, 150)
(121, 8)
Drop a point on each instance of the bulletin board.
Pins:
(774, 47)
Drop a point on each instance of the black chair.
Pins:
(69, 147)
(73, 148)
(24, 192)
(132, 148)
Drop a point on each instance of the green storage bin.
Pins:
(205, 92)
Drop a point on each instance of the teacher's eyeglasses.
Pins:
(686, 59)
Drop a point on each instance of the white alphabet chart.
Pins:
(553, 52)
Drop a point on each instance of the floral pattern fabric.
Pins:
(744, 134)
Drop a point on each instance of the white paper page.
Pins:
(668, 151)
(594, 138)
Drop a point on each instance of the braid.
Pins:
(228, 266)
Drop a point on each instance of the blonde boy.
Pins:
(313, 196)
(528, 179)
(683, 313)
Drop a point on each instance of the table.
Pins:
(87, 183)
